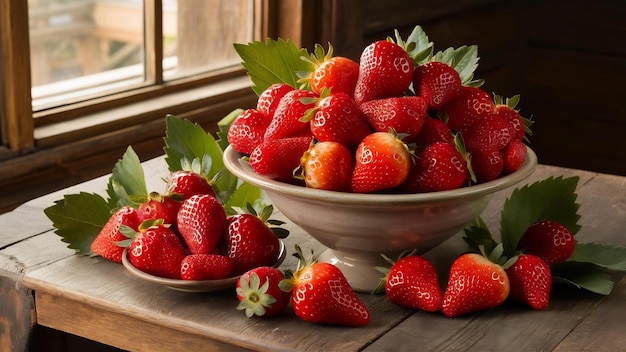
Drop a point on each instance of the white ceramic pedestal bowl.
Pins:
(358, 228)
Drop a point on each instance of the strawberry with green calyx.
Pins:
(248, 130)
(259, 293)
(468, 109)
(157, 250)
(251, 240)
(404, 114)
(320, 293)
(531, 281)
(201, 222)
(327, 165)
(191, 179)
(159, 206)
(271, 96)
(411, 282)
(508, 109)
(549, 240)
(382, 162)
(437, 82)
(337, 73)
(278, 158)
(286, 121)
(205, 267)
(105, 243)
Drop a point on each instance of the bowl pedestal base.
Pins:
(358, 268)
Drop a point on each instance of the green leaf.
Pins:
(78, 218)
(243, 195)
(417, 44)
(606, 256)
(477, 235)
(275, 61)
(464, 60)
(584, 276)
(549, 199)
(127, 180)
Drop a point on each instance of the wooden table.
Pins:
(42, 282)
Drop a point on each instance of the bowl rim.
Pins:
(242, 169)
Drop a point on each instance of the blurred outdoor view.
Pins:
(86, 48)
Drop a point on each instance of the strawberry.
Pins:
(248, 130)
(320, 293)
(487, 165)
(158, 251)
(159, 206)
(468, 109)
(514, 118)
(337, 73)
(404, 114)
(382, 162)
(271, 96)
(249, 242)
(201, 222)
(278, 158)
(385, 70)
(105, 243)
(433, 130)
(494, 132)
(259, 293)
(438, 82)
(205, 267)
(531, 281)
(185, 183)
(338, 119)
(438, 167)
(412, 282)
(475, 283)
(514, 155)
(328, 165)
(286, 121)
(549, 240)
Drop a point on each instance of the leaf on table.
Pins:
(78, 218)
(606, 256)
(553, 198)
(585, 276)
(275, 61)
(127, 180)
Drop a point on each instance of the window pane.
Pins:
(82, 48)
(199, 34)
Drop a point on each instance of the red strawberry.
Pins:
(271, 96)
(286, 121)
(328, 165)
(438, 167)
(205, 267)
(404, 114)
(437, 82)
(158, 251)
(186, 183)
(338, 119)
(549, 240)
(201, 222)
(104, 244)
(494, 132)
(475, 284)
(320, 293)
(385, 70)
(248, 130)
(337, 73)
(249, 242)
(469, 108)
(531, 281)
(487, 165)
(259, 293)
(412, 282)
(382, 162)
(514, 118)
(159, 206)
(433, 130)
(514, 155)
(278, 158)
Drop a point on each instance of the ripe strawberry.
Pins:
(514, 118)
(104, 244)
(338, 119)
(382, 162)
(337, 73)
(433, 130)
(328, 165)
(468, 109)
(514, 155)
(438, 167)
(159, 206)
(475, 283)
(404, 114)
(286, 121)
(201, 222)
(437, 82)
(259, 293)
(248, 130)
(494, 132)
(271, 96)
(205, 267)
(320, 293)
(249, 242)
(186, 183)
(385, 70)
(549, 240)
(158, 251)
(531, 281)
(412, 282)
(487, 165)
(278, 158)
